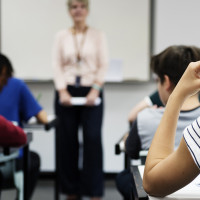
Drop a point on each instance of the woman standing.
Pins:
(80, 61)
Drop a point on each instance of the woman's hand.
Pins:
(91, 97)
(64, 98)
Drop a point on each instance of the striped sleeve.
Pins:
(191, 136)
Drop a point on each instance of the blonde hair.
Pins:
(85, 2)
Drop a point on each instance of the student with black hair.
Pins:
(166, 170)
(17, 104)
(169, 66)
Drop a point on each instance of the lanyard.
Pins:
(77, 47)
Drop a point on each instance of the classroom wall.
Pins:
(176, 23)
(172, 26)
(133, 51)
(119, 99)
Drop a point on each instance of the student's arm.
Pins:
(165, 170)
(153, 99)
(135, 110)
(29, 106)
(42, 117)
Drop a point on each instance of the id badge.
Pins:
(78, 81)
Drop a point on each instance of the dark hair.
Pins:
(173, 61)
(5, 63)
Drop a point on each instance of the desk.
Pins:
(33, 123)
(9, 150)
(52, 123)
(189, 192)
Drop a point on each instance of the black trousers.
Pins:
(124, 182)
(89, 180)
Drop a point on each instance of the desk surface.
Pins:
(33, 123)
(189, 192)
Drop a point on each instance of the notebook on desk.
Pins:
(189, 192)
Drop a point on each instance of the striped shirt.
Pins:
(192, 138)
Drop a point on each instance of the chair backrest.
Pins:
(120, 145)
(143, 156)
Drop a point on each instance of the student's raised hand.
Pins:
(189, 83)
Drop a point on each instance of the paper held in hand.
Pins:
(78, 101)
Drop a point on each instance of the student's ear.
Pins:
(168, 83)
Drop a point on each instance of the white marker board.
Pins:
(28, 28)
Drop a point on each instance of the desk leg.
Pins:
(25, 163)
(57, 182)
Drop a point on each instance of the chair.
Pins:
(120, 148)
(137, 189)
(143, 156)
(9, 177)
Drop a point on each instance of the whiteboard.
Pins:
(28, 28)
(176, 23)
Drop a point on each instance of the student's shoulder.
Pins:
(148, 121)
(18, 85)
(150, 113)
(16, 81)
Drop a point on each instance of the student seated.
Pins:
(17, 104)
(169, 66)
(166, 170)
